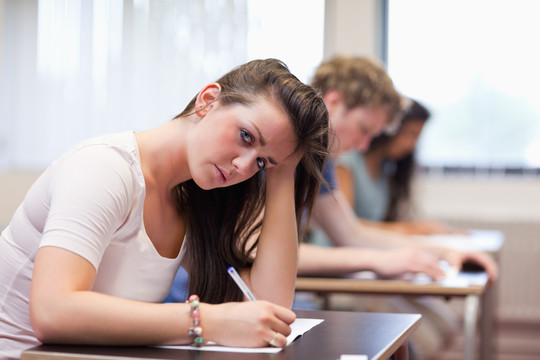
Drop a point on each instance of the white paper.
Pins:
(353, 357)
(480, 240)
(298, 328)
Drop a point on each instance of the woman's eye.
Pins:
(261, 164)
(246, 136)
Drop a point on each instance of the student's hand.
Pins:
(285, 167)
(396, 262)
(456, 258)
(247, 324)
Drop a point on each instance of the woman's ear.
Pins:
(206, 97)
(332, 99)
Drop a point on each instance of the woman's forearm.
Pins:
(321, 260)
(87, 317)
(273, 273)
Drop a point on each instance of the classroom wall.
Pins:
(351, 27)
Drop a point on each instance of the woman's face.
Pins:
(404, 142)
(231, 143)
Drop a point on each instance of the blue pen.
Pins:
(241, 284)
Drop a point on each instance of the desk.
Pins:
(470, 286)
(373, 334)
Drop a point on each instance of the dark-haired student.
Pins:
(378, 182)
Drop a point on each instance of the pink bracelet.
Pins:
(196, 330)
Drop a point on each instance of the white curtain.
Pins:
(71, 69)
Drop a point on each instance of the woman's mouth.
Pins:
(221, 177)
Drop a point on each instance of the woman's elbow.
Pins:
(45, 323)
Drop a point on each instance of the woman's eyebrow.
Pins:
(263, 143)
(261, 137)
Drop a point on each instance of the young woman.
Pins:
(93, 249)
(378, 183)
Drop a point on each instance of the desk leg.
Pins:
(469, 331)
(487, 323)
(326, 301)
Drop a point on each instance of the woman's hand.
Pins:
(342, 260)
(286, 167)
(247, 324)
(397, 262)
(456, 258)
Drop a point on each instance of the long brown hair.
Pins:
(220, 221)
(402, 170)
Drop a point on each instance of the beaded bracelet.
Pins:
(196, 330)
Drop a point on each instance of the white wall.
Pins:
(482, 199)
(351, 27)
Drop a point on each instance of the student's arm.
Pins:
(273, 274)
(345, 179)
(337, 219)
(321, 260)
(385, 229)
(64, 310)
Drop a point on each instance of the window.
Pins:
(474, 64)
(72, 69)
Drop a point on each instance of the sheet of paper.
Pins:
(298, 328)
(353, 357)
(481, 240)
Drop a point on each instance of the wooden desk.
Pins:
(471, 286)
(490, 241)
(472, 294)
(373, 334)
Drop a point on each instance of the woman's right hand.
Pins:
(246, 324)
(395, 262)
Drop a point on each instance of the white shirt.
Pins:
(90, 202)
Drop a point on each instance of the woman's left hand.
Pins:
(285, 167)
(457, 258)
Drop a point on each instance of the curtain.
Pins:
(72, 69)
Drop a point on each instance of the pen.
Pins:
(241, 284)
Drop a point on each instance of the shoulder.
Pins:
(350, 159)
(105, 166)
(116, 153)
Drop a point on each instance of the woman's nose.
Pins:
(246, 163)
